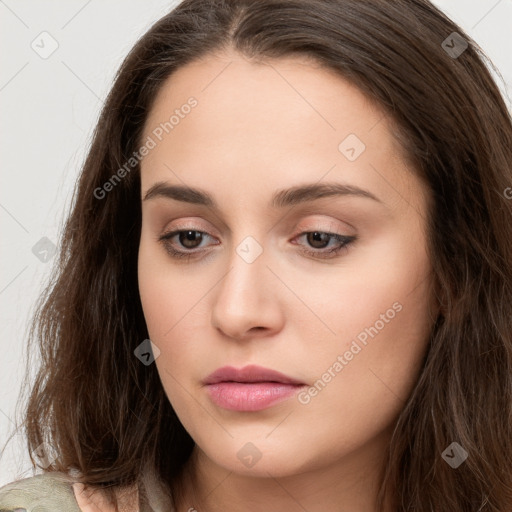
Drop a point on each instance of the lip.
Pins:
(251, 388)
(251, 373)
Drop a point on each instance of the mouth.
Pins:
(251, 388)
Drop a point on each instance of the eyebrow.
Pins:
(281, 199)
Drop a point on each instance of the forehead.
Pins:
(289, 119)
(230, 87)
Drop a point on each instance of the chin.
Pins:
(261, 458)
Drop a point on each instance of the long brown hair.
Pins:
(106, 415)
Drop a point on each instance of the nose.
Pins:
(248, 300)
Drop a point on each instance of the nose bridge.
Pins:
(243, 300)
(247, 269)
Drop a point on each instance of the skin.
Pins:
(260, 127)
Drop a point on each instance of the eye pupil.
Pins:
(315, 236)
(190, 236)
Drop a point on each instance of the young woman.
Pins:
(286, 281)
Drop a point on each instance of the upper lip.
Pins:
(251, 373)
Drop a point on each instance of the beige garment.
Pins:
(55, 492)
(51, 492)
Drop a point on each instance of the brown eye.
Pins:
(190, 239)
(184, 243)
(318, 239)
(320, 243)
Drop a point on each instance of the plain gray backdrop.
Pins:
(58, 62)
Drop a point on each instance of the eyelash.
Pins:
(343, 240)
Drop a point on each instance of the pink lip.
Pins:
(251, 388)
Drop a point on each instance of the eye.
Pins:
(321, 240)
(186, 238)
(189, 239)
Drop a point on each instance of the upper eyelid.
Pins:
(330, 222)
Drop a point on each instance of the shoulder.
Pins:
(47, 492)
(57, 492)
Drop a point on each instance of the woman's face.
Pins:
(273, 152)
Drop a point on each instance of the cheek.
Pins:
(175, 310)
(382, 282)
(381, 316)
(167, 292)
(361, 383)
(152, 283)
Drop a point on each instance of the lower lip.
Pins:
(238, 396)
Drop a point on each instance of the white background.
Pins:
(49, 108)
